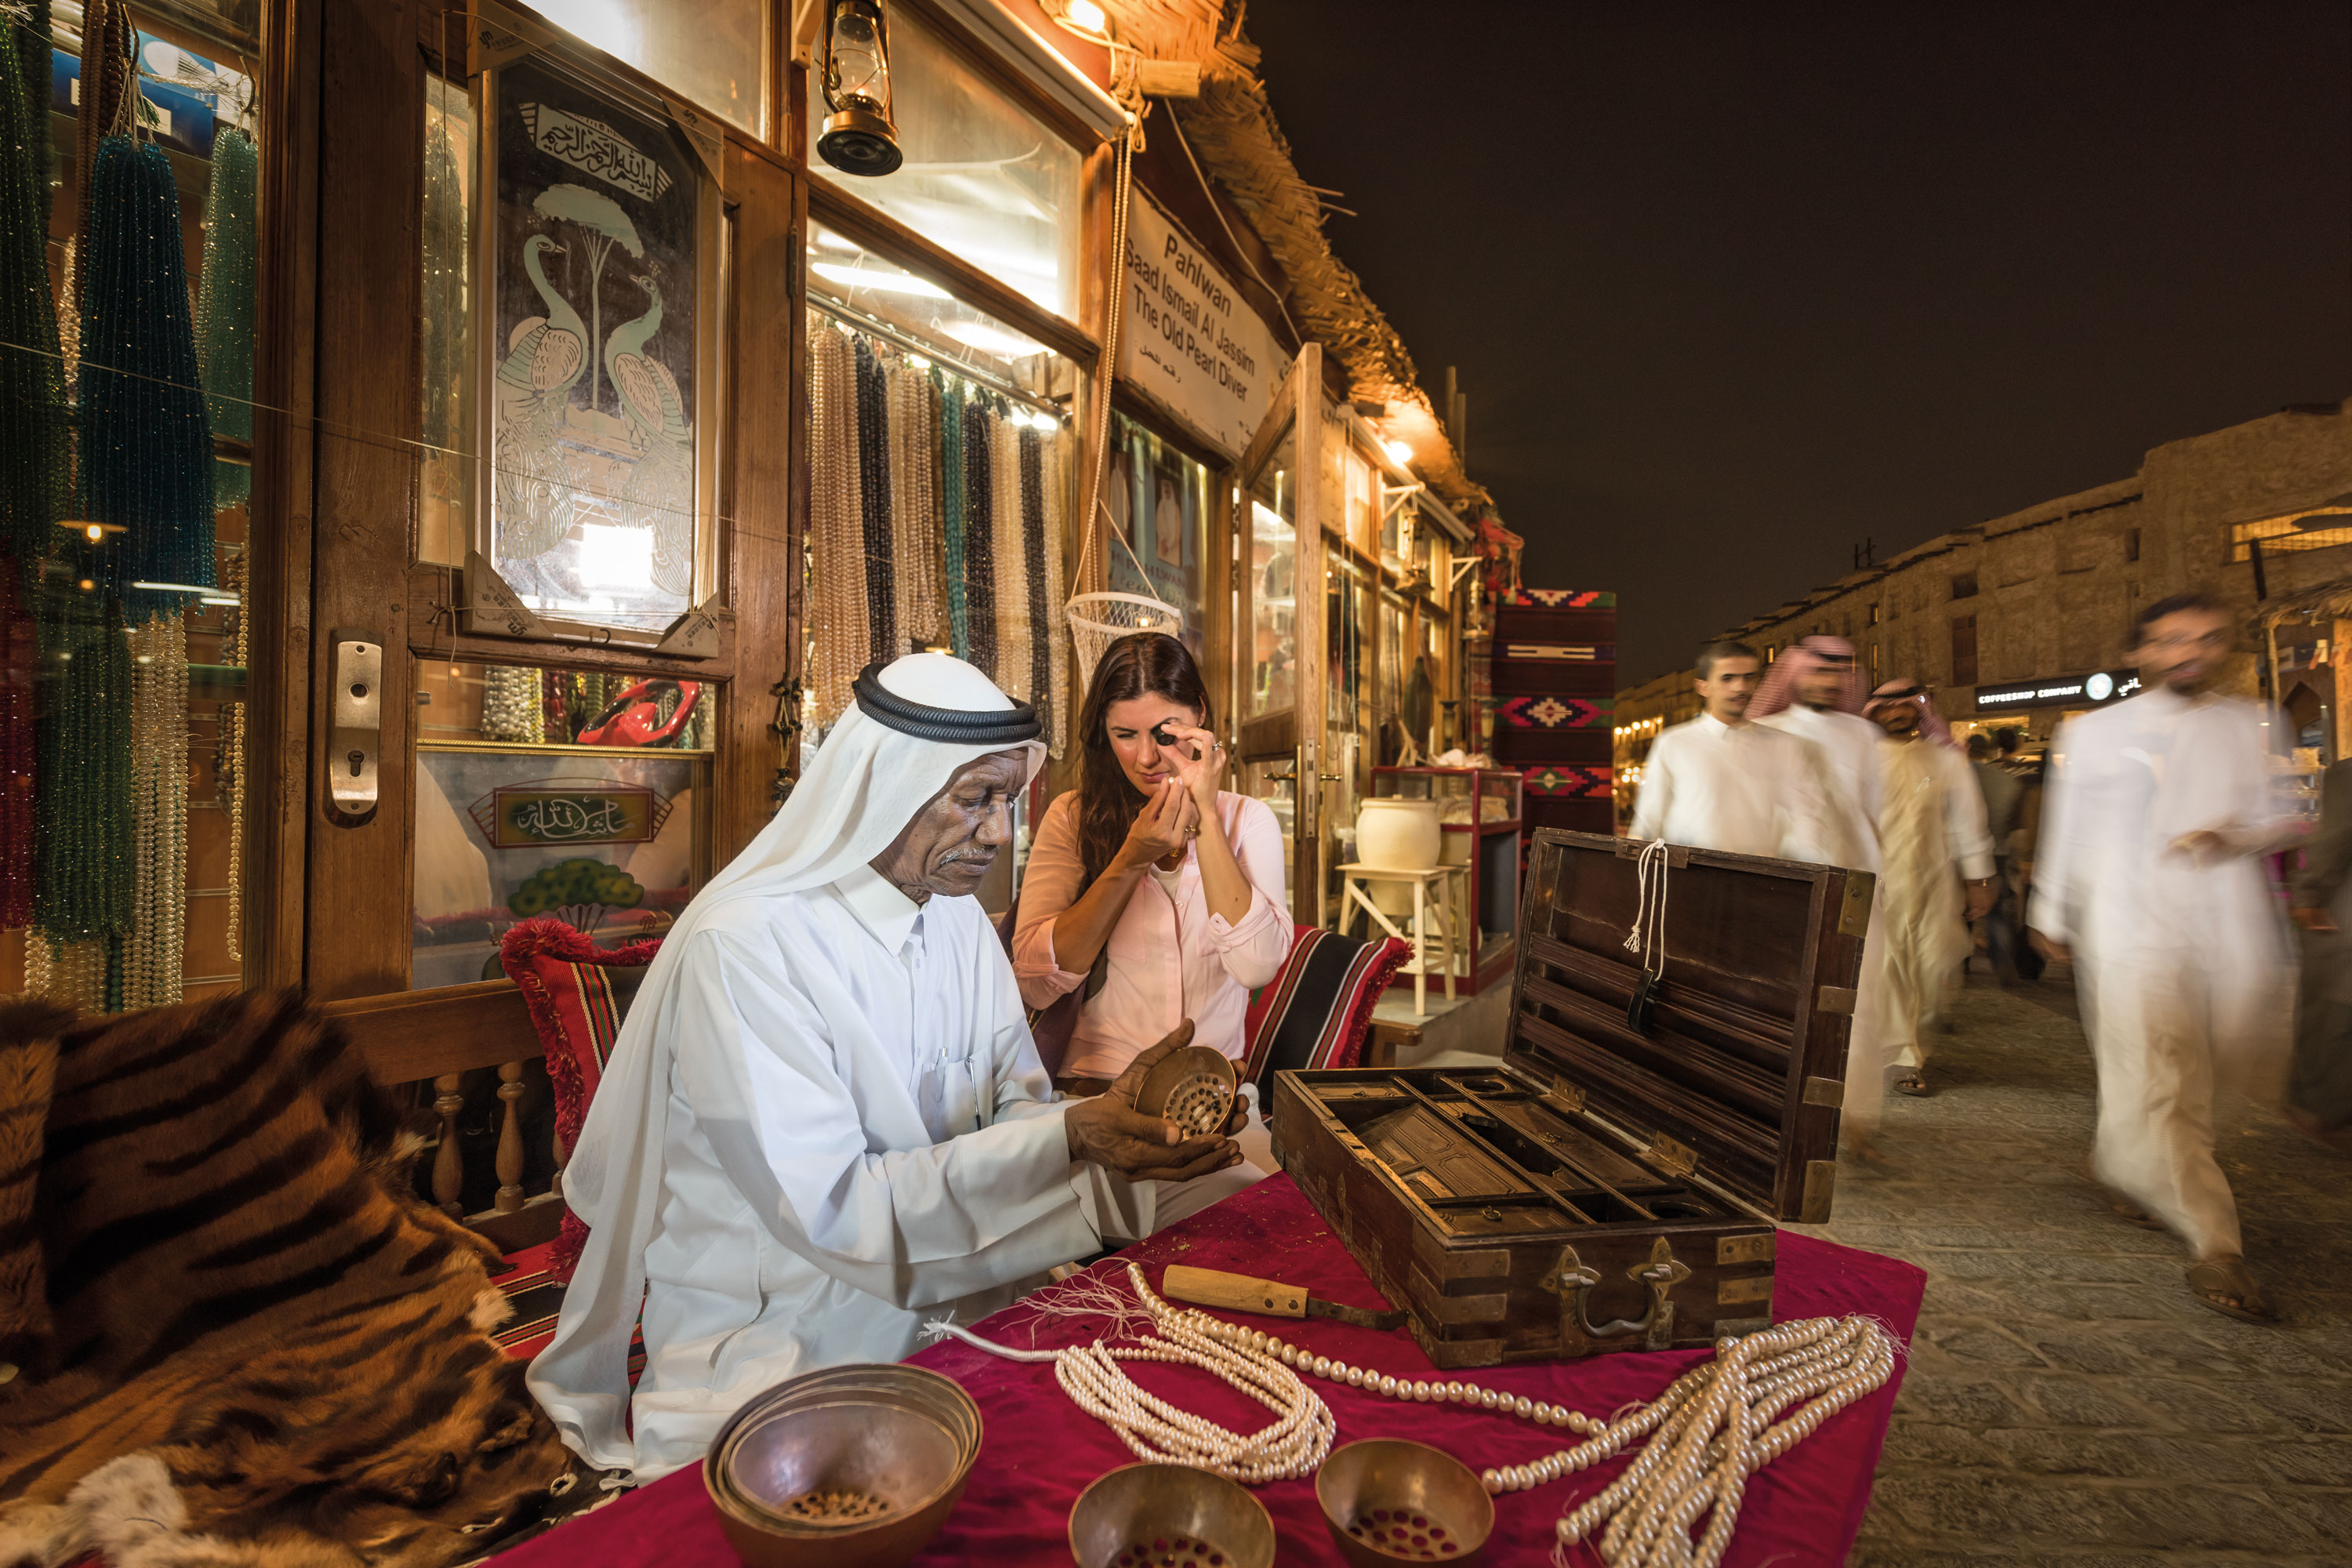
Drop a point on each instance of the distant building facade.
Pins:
(2029, 617)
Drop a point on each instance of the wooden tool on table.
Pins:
(1239, 1293)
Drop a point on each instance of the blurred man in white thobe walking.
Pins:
(2149, 870)
(1814, 692)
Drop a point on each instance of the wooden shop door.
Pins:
(515, 704)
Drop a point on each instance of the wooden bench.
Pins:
(436, 1036)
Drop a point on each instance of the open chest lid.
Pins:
(1732, 1071)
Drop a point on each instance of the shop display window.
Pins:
(579, 795)
(943, 487)
(984, 178)
(1349, 608)
(164, 926)
(1159, 501)
(712, 53)
(1274, 588)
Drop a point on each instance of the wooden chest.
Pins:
(1612, 1184)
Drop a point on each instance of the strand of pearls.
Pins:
(1706, 1433)
(1296, 1444)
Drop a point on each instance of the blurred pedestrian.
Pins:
(2001, 791)
(1721, 782)
(2319, 1076)
(1814, 692)
(2150, 874)
(1932, 822)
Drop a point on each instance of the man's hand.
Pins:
(2056, 951)
(2204, 847)
(1107, 1130)
(1980, 896)
(2315, 920)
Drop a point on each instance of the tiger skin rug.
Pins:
(231, 1335)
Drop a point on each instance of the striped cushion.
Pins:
(577, 993)
(1316, 1011)
(536, 1295)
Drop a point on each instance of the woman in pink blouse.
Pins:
(1157, 891)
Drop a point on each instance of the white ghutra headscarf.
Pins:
(915, 723)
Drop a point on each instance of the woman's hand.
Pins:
(1158, 829)
(1204, 773)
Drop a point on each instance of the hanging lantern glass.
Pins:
(858, 136)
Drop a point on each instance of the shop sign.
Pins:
(557, 813)
(2101, 686)
(1189, 340)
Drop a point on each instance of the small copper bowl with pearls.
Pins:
(1192, 1086)
(850, 1467)
(1168, 1516)
(1391, 1502)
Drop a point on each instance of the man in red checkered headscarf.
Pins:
(1931, 822)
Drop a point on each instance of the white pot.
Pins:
(1397, 835)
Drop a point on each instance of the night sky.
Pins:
(1734, 285)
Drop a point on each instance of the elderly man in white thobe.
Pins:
(825, 1122)
(2149, 870)
(1814, 691)
(1723, 782)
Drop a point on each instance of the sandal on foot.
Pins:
(1915, 1085)
(2223, 1284)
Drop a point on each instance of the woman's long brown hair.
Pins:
(1143, 664)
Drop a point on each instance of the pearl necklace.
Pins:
(1295, 1445)
(1706, 1433)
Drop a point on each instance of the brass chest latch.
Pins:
(1573, 1282)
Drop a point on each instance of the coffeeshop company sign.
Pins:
(1188, 340)
(2081, 690)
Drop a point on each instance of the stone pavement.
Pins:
(2067, 1403)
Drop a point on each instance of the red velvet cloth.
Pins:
(1039, 1452)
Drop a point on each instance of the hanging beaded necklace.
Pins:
(154, 947)
(1013, 627)
(226, 292)
(979, 536)
(146, 448)
(34, 473)
(1713, 1426)
(82, 849)
(881, 619)
(1052, 467)
(228, 767)
(17, 662)
(951, 518)
(1032, 560)
(836, 546)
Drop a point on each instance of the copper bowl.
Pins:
(1193, 1086)
(851, 1468)
(1149, 1516)
(1390, 1501)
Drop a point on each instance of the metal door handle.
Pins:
(354, 756)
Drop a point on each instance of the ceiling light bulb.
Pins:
(1087, 17)
(94, 533)
(1399, 451)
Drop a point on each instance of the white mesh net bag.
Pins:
(1097, 620)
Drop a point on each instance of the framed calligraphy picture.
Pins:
(598, 353)
(613, 841)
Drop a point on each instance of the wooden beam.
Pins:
(370, 199)
(432, 596)
(410, 1035)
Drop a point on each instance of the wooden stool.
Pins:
(1352, 878)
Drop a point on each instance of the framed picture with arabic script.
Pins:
(611, 841)
(596, 352)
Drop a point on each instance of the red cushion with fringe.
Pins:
(1318, 1010)
(577, 993)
